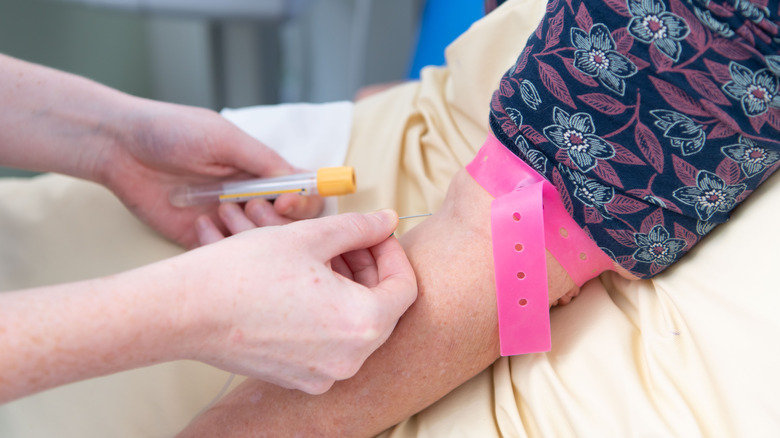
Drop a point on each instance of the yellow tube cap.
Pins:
(335, 181)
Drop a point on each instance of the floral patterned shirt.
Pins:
(654, 119)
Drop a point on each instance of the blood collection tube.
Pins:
(326, 181)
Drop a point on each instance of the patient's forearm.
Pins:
(446, 337)
(449, 335)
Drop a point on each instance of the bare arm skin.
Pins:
(448, 335)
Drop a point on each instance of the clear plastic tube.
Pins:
(327, 181)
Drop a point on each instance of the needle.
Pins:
(414, 216)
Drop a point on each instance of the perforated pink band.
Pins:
(527, 216)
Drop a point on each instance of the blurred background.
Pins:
(231, 53)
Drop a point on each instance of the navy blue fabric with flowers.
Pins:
(654, 119)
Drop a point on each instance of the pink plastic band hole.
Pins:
(523, 302)
(516, 217)
(519, 247)
(521, 275)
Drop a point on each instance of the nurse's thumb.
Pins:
(352, 231)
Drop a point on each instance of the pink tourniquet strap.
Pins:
(517, 227)
(527, 216)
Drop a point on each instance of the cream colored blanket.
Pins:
(690, 353)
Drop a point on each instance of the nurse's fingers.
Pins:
(338, 265)
(264, 214)
(397, 283)
(299, 207)
(234, 218)
(206, 231)
(362, 266)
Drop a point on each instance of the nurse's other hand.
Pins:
(162, 146)
(255, 213)
(301, 305)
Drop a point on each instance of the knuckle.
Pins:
(346, 368)
(362, 335)
(366, 326)
(358, 223)
(317, 387)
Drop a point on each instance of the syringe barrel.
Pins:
(242, 191)
(326, 181)
(269, 188)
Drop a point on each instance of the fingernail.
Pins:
(231, 209)
(201, 223)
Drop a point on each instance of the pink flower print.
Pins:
(757, 91)
(533, 157)
(530, 95)
(590, 192)
(703, 228)
(752, 158)
(751, 11)
(596, 57)
(773, 62)
(713, 23)
(681, 131)
(652, 24)
(711, 195)
(575, 135)
(654, 200)
(657, 247)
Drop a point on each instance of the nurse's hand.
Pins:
(257, 212)
(161, 146)
(301, 305)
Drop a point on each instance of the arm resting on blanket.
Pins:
(449, 335)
